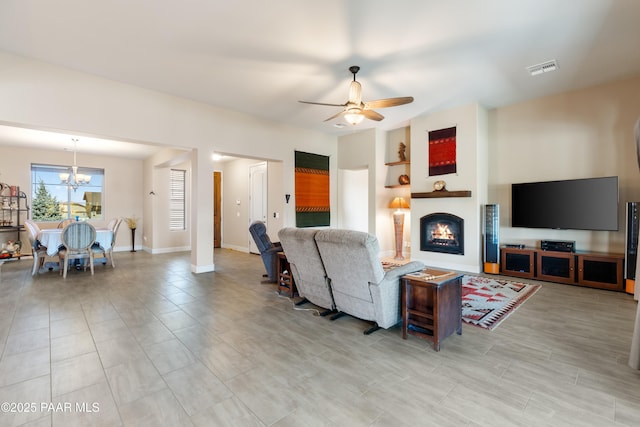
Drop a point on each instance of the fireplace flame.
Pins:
(442, 231)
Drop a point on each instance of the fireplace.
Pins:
(442, 232)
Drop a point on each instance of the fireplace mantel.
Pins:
(441, 193)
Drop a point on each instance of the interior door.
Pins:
(257, 198)
(217, 209)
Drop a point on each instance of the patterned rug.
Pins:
(486, 302)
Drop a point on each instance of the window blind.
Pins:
(177, 212)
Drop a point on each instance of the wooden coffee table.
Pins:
(431, 305)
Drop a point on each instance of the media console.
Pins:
(595, 270)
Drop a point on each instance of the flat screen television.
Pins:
(576, 204)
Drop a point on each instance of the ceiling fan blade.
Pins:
(389, 102)
(341, 113)
(322, 103)
(372, 115)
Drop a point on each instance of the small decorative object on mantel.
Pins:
(401, 152)
(132, 222)
(439, 185)
(403, 179)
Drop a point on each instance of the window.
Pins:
(52, 199)
(177, 214)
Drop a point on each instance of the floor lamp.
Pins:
(398, 203)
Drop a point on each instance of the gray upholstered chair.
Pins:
(99, 251)
(268, 249)
(77, 239)
(359, 284)
(39, 251)
(307, 268)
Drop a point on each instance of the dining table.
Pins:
(52, 238)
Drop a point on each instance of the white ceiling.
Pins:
(261, 57)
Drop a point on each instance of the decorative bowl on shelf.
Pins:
(403, 179)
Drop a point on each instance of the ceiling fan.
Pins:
(355, 110)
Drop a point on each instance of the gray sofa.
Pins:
(352, 273)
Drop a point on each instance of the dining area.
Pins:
(75, 244)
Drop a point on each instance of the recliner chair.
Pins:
(307, 268)
(268, 249)
(360, 285)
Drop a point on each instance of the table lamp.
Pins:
(398, 203)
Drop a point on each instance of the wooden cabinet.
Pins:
(556, 266)
(518, 262)
(595, 270)
(431, 308)
(601, 271)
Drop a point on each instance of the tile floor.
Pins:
(150, 344)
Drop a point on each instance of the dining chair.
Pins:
(113, 225)
(77, 239)
(65, 222)
(39, 251)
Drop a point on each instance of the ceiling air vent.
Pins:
(544, 67)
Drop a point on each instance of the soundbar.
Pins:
(558, 245)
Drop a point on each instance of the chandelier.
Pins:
(74, 179)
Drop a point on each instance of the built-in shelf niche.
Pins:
(396, 168)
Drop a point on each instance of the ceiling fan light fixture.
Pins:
(353, 116)
(355, 110)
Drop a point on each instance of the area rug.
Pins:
(486, 302)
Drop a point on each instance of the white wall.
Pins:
(275, 200)
(166, 240)
(156, 236)
(235, 204)
(122, 183)
(471, 147)
(353, 199)
(45, 96)
(370, 150)
(365, 150)
(582, 134)
(235, 216)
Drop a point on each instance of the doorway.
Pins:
(257, 198)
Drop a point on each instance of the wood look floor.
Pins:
(150, 344)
